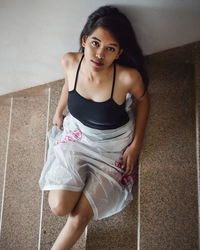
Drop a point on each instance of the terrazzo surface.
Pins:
(168, 174)
(4, 124)
(21, 216)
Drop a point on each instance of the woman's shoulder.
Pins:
(127, 75)
(70, 59)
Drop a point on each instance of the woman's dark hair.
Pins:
(110, 18)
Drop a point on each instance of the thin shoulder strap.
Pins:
(113, 80)
(78, 72)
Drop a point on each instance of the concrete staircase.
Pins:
(169, 169)
(164, 212)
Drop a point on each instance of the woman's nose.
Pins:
(100, 54)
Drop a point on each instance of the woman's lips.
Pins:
(97, 63)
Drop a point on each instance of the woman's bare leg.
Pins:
(75, 225)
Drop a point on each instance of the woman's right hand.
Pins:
(58, 120)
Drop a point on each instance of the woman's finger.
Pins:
(126, 170)
(124, 161)
(129, 166)
(130, 170)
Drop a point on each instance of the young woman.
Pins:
(93, 152)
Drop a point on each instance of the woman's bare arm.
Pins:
(58, 117)
(142, 110)
(64, 94)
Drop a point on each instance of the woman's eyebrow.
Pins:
(113, 44)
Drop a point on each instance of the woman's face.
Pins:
(100, 49)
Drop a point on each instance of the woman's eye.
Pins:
(110, 49)
(95, 43)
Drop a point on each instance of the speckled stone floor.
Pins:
(168, 173)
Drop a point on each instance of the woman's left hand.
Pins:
(130, 157)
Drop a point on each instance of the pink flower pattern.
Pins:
(119, 163)
(72, 136)
(127, 179)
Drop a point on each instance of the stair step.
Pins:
(168, 173)
(21, 210)
(5, 105)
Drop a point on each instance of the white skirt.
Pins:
(89, 160)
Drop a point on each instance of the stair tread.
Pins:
(168, 176)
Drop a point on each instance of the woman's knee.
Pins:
(62, 202)
(58, 207)
(59, 210)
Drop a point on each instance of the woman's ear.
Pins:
(84, 38)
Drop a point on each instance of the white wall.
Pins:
(35, 34)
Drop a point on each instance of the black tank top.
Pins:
(98, 115)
